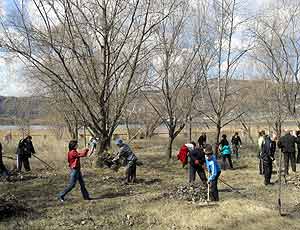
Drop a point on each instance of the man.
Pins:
(202, 140)
(236, 143)
(287, 145)
(3, 170)
(267, 156)
(24, 151)
(197, 164)
(130, 160)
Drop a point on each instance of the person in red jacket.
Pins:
(75, 175)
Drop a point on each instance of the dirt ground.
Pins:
(144, 205)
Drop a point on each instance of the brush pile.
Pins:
(10, 206)
(189, 192)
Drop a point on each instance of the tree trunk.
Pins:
(218, 137)
(169, 147)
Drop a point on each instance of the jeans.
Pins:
(74, 176)
(131, 171)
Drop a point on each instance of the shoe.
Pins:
(87, 198)
(61, 198)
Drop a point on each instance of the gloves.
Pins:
(196, 162)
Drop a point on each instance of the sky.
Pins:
(12, 81)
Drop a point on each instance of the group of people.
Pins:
(267, 148)
(199, 158)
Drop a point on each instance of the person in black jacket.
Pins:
(3, 170)
(287, 145)
(298, 146)
(202, 140)
(236, 143)
(24, 151)
(197, 161)
(267, 156)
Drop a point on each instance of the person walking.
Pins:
(214, 172)
(287, 145)
(197, 164)
(225, 152)
(236, 143)
(75, 171)
(129, 158)
(24, 151)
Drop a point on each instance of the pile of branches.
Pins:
(189, 192)
(10, 206)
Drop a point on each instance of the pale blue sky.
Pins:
(12, 82)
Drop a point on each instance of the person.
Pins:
(3, 171)
(287, 145)
(129, 158)
(197, 163)
(225, 152)
(260, 140)
(24, 151)
(202, 140)
(268, 148)
(214, 172)
(92, 144)
(236, 143)
(298, 147)
(75, 171)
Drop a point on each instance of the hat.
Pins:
(208, 149)
(119, 142)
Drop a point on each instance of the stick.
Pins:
(11, 158)
(279, 188)
(232, 188)
(43, 162)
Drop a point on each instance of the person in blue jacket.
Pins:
(214, 172)
(225, 152)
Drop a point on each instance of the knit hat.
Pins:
(119, 142)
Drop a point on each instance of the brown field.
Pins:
(142, 206)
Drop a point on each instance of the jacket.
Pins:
(236, 140)
(202, 140)
(225, 150)
(213, 168)
(25, 148)
(287, 143)
(126, 153)
(266, 149)
(74, 158)
(197, 154)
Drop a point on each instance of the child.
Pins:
(75, 175)
(214, 172)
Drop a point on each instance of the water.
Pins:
(14, 127)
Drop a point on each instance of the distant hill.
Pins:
(13, 108)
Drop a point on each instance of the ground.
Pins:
(144, 205)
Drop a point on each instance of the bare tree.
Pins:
(220, 60)
(277, 51)
(175, 80)
(91, 50)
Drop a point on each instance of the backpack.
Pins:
(182, 154)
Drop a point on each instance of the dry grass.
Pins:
(142, 206)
